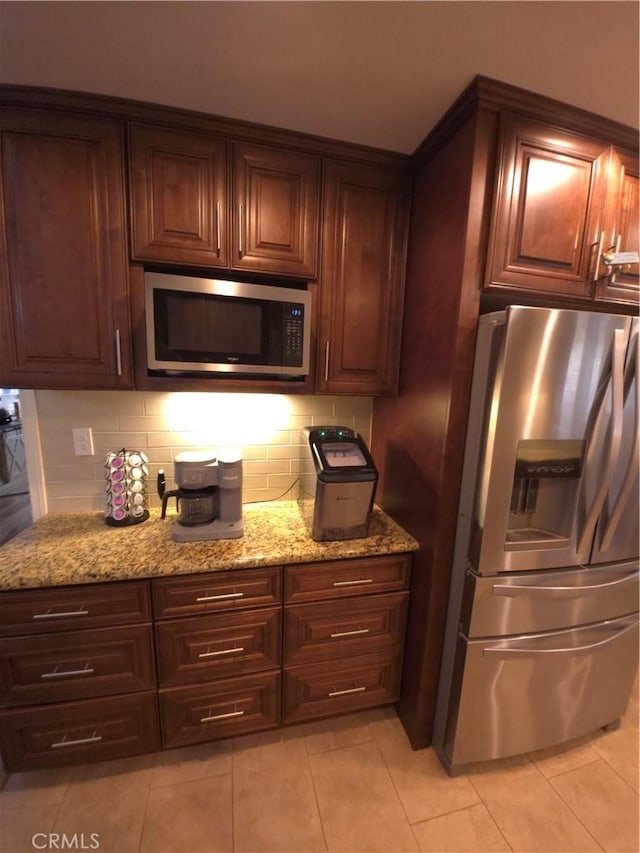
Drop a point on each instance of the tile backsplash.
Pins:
(266, 427)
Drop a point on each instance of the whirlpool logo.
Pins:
(62, 841)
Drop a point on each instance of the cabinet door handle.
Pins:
(215, 717)
(353, 583)
(221, 652)
(220, 597)
(118, 354)
(67, 672)
(78, 742)
(240, 231)
(357, 633)
(61, 615)
(218, 232)
(598, 254)
(345, 692)
(326, 361)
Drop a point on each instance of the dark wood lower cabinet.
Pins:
(220, 709)
(97, 671)
(78, 732)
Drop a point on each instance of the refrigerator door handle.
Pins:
(630, 477)
(620, 339)
(532, 651)
(562, 591)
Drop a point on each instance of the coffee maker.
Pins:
(337, 483)
(208, 497)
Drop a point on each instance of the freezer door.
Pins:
(531, 602)
(548, 441)
(617, 530)
(534, 691)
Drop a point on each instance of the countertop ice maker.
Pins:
(337, 483)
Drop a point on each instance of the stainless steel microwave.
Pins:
(208, 325)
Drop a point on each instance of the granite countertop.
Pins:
(74, 548)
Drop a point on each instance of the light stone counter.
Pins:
(74, 548)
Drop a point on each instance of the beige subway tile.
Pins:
(284, 451)
(155, 402)
(142, 423)
(78, 504)
(356, 406)
(75, 489)
(108, 441)
(276, 466)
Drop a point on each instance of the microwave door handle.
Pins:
(617, 404)
(629, 481)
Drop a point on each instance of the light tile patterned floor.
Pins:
(350, 784)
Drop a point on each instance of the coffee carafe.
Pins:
(208, 497)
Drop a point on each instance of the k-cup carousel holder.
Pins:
(126, 488)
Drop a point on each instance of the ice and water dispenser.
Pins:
(337, 483)
(544, 493)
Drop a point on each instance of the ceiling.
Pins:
(375, 73)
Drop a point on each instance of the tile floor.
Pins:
(350, 784)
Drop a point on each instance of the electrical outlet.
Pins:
(83, 441)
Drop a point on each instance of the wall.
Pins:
(265, 426)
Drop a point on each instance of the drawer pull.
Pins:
(49, 615)
(357, 633)
(66, 672)
(220, 597)
(353, 583)
(220, 652)
(350, 690)
(211, 719)
(78, 742)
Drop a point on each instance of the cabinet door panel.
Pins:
(547, 210)
(76, 664)
(371, 623)
(275, 215)
(323, 689)
(220, 709)
(217, 646)
(362, 286)
(178, 196)
(76, 732)
(63, 278)
(37, 611)
(622, 230)
(210, 593)
(346, 578)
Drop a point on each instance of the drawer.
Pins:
(76, 664)
(324, 690)
(340, 578)
(226, 644)
(76, 732)
(220, 709)
(35, 611)
(228, 590)
(338, 629)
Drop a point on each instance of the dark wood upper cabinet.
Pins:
(362, 281)
(64, 314)
(621, 229)
(181, 212)
(549, 194)
(275, 210)
(178, 186)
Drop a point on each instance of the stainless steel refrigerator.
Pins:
(541, 642)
